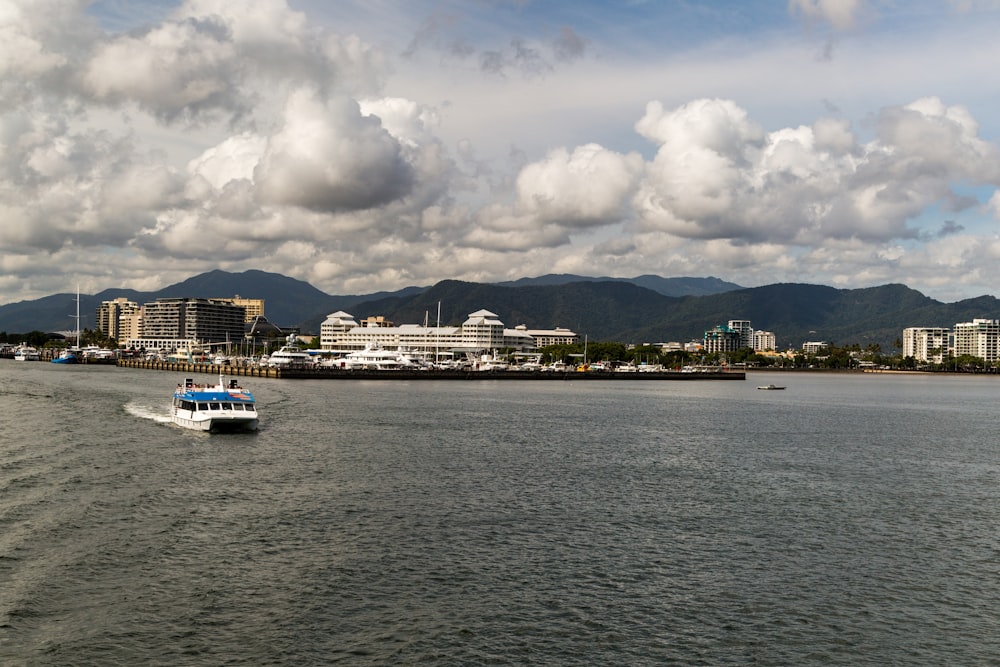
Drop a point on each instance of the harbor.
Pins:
(320, 373)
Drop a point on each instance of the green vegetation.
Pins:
(41, 339)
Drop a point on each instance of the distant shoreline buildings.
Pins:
(737, 335)
(979, 338)
(181, 322)
(340, 333)
(178, 322)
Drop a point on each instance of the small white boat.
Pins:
(770, 387)
(26, 353)
(487, 363)
(214, 408)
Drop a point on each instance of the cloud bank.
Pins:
(260, 137)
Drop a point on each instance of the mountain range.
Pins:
(643, 309)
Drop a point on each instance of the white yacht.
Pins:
(26, 353)
(375, 358)
(488, 363)
(289, 355)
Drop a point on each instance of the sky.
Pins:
(367, 145)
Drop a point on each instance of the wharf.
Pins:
(340, 374)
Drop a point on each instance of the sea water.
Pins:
(848, 520)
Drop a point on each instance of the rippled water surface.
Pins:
(849, 520)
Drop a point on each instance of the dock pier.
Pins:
(302, 373)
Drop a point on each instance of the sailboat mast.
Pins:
(78, 315)
(437, 337)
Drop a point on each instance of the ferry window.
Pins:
(203, 406)
(227, 406)
(214, 406)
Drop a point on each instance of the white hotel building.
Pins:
(928, 344)
(978, 338)
(763, 341)
(482, 331)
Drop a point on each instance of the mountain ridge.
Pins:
(612, 309)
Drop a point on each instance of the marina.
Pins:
(318, 372)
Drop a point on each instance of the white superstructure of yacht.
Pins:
(375, 358)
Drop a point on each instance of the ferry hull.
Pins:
(220, 424)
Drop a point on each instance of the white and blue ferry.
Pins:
(214, 408)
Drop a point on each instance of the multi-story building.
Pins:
(110, 314)
(721, 339)
(482, 331)
(130, 325)
(928, 344)
(254, 307)
(546, 337)
(743, 328)
(763, 341)
(978, 338)
(814, 346)
(334, 327)
(190, 319)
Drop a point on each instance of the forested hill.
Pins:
(618, 310)
(796, 313)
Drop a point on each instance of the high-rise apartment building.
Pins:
(978, 338)
(722, 339)
(764, 340)
(743, 328)
(254, 307)
(206, 320)
(928, 344)
(110, 315)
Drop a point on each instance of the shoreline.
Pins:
(339, 374)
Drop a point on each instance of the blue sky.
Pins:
(366, 146)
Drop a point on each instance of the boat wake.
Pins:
(154, 413)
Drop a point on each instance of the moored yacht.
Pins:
(375, 358)
(26, 353)
(289, 355)
(68, 356)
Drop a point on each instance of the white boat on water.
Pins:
(374, 357)
(289, 355)
(26, 353)
(488, 362)
(215, 408)
(770, 387)
(68, 356)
